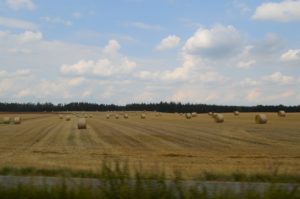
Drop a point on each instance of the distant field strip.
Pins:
(169, 142)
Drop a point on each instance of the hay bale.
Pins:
(90, 115)
(143, 116)
(261, 119)
(210, 113)
(107, 116)
(219, 118)
(17, 120)
(188, 115)
(281, 113)
(116, 116)
(81, 124)
(194, 114)
(236, 113)
(68, 118)
(61, 116)
(6, 120)
(214, 115)
(125, 116)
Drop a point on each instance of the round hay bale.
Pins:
(116, 116)
(214, 115)
(68, 118)
(188, 115)
(17, 120)
(236, 113)
(194, 114)
(281, 113)
(210, 113)
(125, 116)
(219, 118)
(81, 124)
(90, 115)
(143, 116)
(261, 119)
(61, 116)
(6, 120)
(107, 116)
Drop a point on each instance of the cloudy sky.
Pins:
(123, 51)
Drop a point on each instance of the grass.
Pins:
(116, 183)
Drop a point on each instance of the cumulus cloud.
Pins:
(17, 23)
(219, 41)
(246, 64)
(284, 11)
(117, 64)
(168, 43)
(291, 55)
(253, 95)
(21, 4)
(279, 78)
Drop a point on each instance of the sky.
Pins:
(227, 52)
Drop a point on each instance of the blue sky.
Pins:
(221, 52)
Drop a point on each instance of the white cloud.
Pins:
(218, 41)
(86, 94)
(168, 43)
(106, 66)
(284, 11)
(29, 36)
(21, 4)
(57, 20)
(246, 64)
(144, 26)
(112, 47)
(278, 77)
(17, 23)
(290, 55)
(253, 95)
(24, 93)
(76, 81)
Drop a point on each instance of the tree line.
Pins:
(170, 107)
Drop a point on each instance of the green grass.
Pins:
(118, 183)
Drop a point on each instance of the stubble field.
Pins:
(168, 142)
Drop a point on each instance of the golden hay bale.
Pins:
(281, 113)
(6, 120)
(188, 115)
(116, 116)
(261, 119)
(219, 118)
(17, 120)
(125, 116)
(143, 116)
(194, 114)
(107, 116)
(68, 118)
(210, 113)
(86, 115)
(61, 116)
(81, 124)
(236, 113)
(90, 115)
(214, 115)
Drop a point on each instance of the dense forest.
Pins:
(161, 107)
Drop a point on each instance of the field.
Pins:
(168, 142)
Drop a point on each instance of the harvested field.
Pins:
(170, 142)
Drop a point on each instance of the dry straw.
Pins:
(236, 113)
(81, 124)
(143, 116)
(68, 118)
(61, 116)
(210, 113)
(6, 120)
(125, 116)
(281, 113)
(194, 114)
(116, 116)
(219, 118)
(261, 119)
(188, 115)
(17, 120)
(107, 116)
